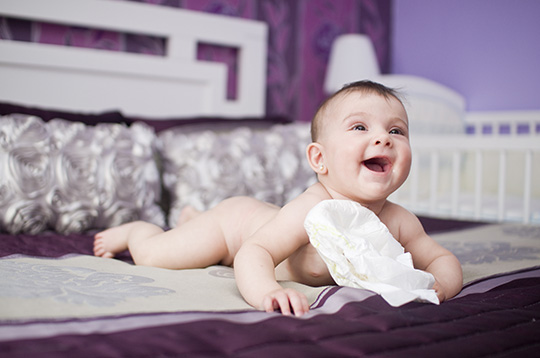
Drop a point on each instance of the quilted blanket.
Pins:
(58, 301)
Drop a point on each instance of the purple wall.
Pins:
(488, 50)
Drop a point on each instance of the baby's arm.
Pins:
(254, 264)
(429, 256)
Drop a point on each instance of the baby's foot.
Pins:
(187, 213)
(110, 242)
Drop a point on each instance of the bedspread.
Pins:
(57, 300)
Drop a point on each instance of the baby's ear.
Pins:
(315, 157)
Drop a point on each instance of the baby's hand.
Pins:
(286, 299)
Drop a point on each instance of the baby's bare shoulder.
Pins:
(315, 194)
(391, 209)
(400, 221)
(293, 214)
(303, 203)
(284, 233)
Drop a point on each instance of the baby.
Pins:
(360, 151)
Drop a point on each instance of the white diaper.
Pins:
(360, 252)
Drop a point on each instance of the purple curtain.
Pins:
(301, 34)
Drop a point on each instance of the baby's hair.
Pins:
(363, 86)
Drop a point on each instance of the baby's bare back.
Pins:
(240, 218)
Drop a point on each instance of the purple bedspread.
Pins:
(503, 321)
(495, 317)
(50, 244)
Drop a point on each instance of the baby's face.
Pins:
(366, 146)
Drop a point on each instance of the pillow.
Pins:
(201, 168)
(71, 177)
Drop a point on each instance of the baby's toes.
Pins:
(107, 255)
(99, 247)
(99, 250)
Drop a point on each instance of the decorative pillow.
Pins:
(203, 168)
(71, 177)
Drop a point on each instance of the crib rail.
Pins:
(487, 178)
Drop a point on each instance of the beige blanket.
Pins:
(493, 249)
(85, 286)
(81, 286)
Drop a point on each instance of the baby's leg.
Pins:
(112, 241)
(197, 243)
(187, 213)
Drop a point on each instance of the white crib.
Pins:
(492, 177)
(468, 165)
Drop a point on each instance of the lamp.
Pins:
(352, 58)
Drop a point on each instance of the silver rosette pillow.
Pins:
(70, 177)
(201, 168)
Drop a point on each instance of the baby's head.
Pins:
(366, 87)
(360, 147)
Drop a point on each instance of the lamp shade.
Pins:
(352, 58)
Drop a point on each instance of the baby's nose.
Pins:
(383, 140)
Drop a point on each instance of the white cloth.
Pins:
(360, 252)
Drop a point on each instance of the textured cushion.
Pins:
(201, 168)
(71, 177)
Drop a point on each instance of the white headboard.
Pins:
(69, 78)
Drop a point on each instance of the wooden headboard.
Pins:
(174, 85)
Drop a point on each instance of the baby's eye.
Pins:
(396, 131)
(359, 127)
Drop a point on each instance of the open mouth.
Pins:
(379, 165)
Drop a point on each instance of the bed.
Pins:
(74, 164)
